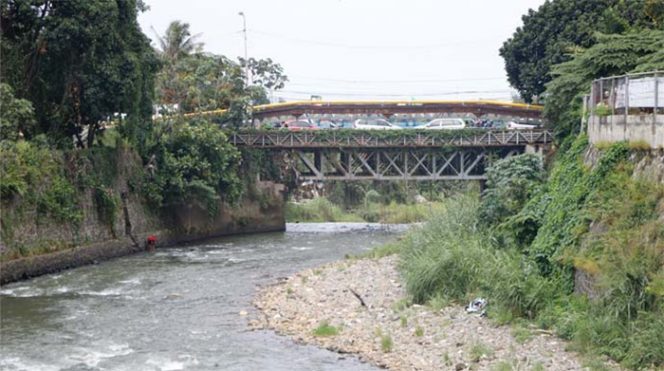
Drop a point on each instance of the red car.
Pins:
(300, 125)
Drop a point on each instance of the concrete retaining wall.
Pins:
(633, 128)
(251, 215)
(61, 245)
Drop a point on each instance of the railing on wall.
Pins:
(639, 94)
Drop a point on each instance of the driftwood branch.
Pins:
(358, 297)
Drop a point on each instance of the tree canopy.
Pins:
(551, 34)
(178, 42)
(612, 55)
(79, 62)
(194, 81)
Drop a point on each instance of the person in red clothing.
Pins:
(151, 243)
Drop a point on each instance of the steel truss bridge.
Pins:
(404, 155)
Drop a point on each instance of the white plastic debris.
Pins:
(478, 306)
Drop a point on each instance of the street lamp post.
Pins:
(246, 60)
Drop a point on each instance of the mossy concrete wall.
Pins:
(250, 215)
(35, 244)
(645, 128)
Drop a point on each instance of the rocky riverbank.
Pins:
(324, 306)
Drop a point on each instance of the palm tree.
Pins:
(178, 42)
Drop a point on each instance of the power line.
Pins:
(367, 47)
(366, 94)
(396, 81)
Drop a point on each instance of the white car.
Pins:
(444, 124)
(374, 124)
(516, 126)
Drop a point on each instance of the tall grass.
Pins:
(318, 210)
(599, 220)
(322, 210)
(452, 257)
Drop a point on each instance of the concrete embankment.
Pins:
(128, 232)
(322, 306)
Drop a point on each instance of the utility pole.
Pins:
(246, 59)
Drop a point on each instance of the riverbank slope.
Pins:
(322, 306)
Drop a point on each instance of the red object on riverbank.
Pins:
(151, 242)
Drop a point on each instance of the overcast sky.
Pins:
(361, 49)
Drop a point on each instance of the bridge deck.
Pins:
(381, 139)
(478, 108)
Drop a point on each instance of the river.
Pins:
(176, 309)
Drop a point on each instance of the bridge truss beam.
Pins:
(397, 164)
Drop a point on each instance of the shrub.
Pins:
(386, 343)
(194, 163)
(325, 329)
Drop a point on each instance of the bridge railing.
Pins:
(391, 139)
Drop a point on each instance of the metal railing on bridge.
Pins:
(395, 139)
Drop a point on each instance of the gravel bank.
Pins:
(387, 333)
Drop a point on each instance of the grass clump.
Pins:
(325, 329)
(386, 343)
(503, 366)
(521, 334)
(419, 331)
(479, 351)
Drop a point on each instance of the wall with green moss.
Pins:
(54, 202)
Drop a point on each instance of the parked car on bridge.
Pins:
(299, 125)
(328, 124)
(444, 124)
(374, 124)
(517, 126)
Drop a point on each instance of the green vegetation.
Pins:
(197, 81)
(386, 343)
(194, 164)
(322, 210)
(90, 61)
(325, 329)
(419, 331)
(76, 121)
(636, 51)
(559, 29)
(318, 210)
(459, 255)
(479, 351)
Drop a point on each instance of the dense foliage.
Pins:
(192, 163)
(552, 34)
(16, 116)
(74, 70)
(79, 63)
(612, 55)
(194, 81)
(511, 182)
(598, 220)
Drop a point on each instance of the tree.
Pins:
(265, 76)
(511, 182)
(612, 55)
(201, 82)
(195, 164)
(178, 42)
(560, 26)
(16, 115)
(79, 62)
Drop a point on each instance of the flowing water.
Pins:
(176, 309)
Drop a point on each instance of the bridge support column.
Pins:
(482, 183)
(318, 160)
(536, 149)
